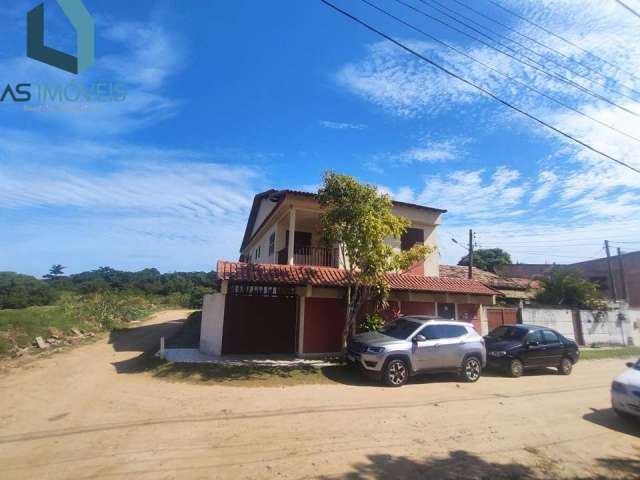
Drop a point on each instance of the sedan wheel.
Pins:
(471, 369)
(565, 367)
(516, 368)
(396, 373)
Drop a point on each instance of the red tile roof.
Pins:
(488, 278)
(335, 277)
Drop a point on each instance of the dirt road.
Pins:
(90, 413)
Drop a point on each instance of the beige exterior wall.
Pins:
(308, 209)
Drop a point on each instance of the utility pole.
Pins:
(623, 280)
(470, 253)
(612, 283)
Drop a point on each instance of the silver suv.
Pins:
(419, 344)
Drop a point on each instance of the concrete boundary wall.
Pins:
(212, 324)
(619, 325)
(560, 320)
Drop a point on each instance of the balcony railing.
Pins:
(316, 256)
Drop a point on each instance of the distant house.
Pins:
(625, 273)
(287, 292)
(513, 289)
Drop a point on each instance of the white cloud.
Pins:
(546, 181)
(342, 125)
(433, 152)
(126, 205)
(471, 194)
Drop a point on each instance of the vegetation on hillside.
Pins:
(184, 289)
(99, 300)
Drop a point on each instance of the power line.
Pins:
(537, 65)
(603, 85)
(533, 40)
(463, 53)
(620, 2)
(478, 87)
(569, 42)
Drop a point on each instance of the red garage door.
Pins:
(323, 324)
(259, 324)
(496, 317)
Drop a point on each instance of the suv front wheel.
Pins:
(471, 369)
(396, 373)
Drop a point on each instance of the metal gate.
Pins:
(496, 317)
(260, 320)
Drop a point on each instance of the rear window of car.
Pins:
(400, 329)
(509, 333)
(549, 337)
(436, 332)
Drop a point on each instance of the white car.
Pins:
(625, 391)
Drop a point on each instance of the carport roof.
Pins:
(272, 274)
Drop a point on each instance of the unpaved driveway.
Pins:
(90, 413)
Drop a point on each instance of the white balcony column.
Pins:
(292, 235)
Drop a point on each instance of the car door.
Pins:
(553, 349)
(452, 348)
(426, 353)
(534, 349)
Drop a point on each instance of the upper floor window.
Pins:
(272, 243)
(411, 237)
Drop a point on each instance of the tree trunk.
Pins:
(355, 301)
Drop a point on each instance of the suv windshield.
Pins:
(509, 333)
(400, 329)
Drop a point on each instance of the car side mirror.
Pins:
(419, 338)
(630, 364)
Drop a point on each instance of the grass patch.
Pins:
(623, 352)
(19, 327)
(257, 375)
(90, 313)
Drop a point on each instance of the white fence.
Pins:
(619, 325)
(561, 320)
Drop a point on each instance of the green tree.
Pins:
(55, 271)
(569, 288)
(20, 291)
(487, 259)
(359, 219)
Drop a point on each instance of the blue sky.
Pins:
(226, 99)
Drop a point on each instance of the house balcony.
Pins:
(314, 256)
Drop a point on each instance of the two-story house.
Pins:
(287, 292)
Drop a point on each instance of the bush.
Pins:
(109, 310)
(372, 323)
(21, 291)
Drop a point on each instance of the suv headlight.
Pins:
(619, 387)
(499, 353)
(375, 349)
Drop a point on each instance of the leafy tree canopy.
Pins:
(487, 259)
(360, 220)
(569, 288)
